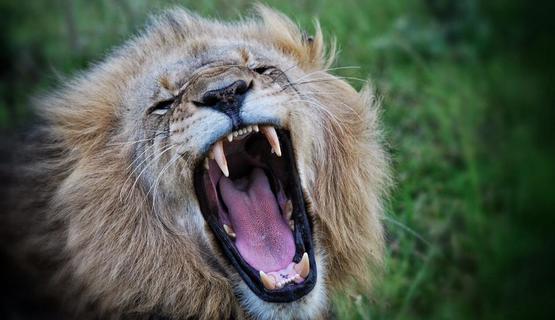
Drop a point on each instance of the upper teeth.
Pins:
(217, 153)
(219, 156)
(272, 137)
(241, 132)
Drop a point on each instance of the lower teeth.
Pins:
(295, 272)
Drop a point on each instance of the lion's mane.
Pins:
(111, 255)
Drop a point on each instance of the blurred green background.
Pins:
(468, 108)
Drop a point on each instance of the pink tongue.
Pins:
(263, 237)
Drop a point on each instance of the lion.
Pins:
(204, 169)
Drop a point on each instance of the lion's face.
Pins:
(219, 136)
(236, 144)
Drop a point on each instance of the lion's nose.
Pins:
(229, 95)
(227, 100)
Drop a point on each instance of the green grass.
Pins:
(467, 123)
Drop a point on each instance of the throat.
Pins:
(254, 213)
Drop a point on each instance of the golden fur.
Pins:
(120, 244)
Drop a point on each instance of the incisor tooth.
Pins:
(229, 231)
(271, 135)
(249, 128)
(269, 282)
(219, 156)
(303, 267)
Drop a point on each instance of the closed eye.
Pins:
(161, 107)
(262, 69)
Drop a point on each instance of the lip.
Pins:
(302, 232)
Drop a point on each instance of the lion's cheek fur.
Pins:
(122, 257)
(344, 188)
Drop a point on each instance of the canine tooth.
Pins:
(255, 128)
(271, 135)
(269, 282)
(219, 155)
(303, 267)
(206, 164)
(229, 231)
(230, 137)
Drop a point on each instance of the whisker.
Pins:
(291, 67)
(406, 229)
(333, 78)
(128, 142)
(157, 133)
(325, 71)
(138, 157)
(343, 67)
(340, 102)
(326, 111)
(330, 116)
(157, 180)
(148, 164)
(129, 175)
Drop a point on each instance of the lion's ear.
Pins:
(172, 26)
(286, 35)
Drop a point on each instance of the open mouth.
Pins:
(249, 194)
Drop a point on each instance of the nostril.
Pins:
(211, 98)
(241, 87)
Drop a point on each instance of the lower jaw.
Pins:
(302, 235)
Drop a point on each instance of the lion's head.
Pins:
(213, 169)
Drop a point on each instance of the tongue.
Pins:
(263, 238)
